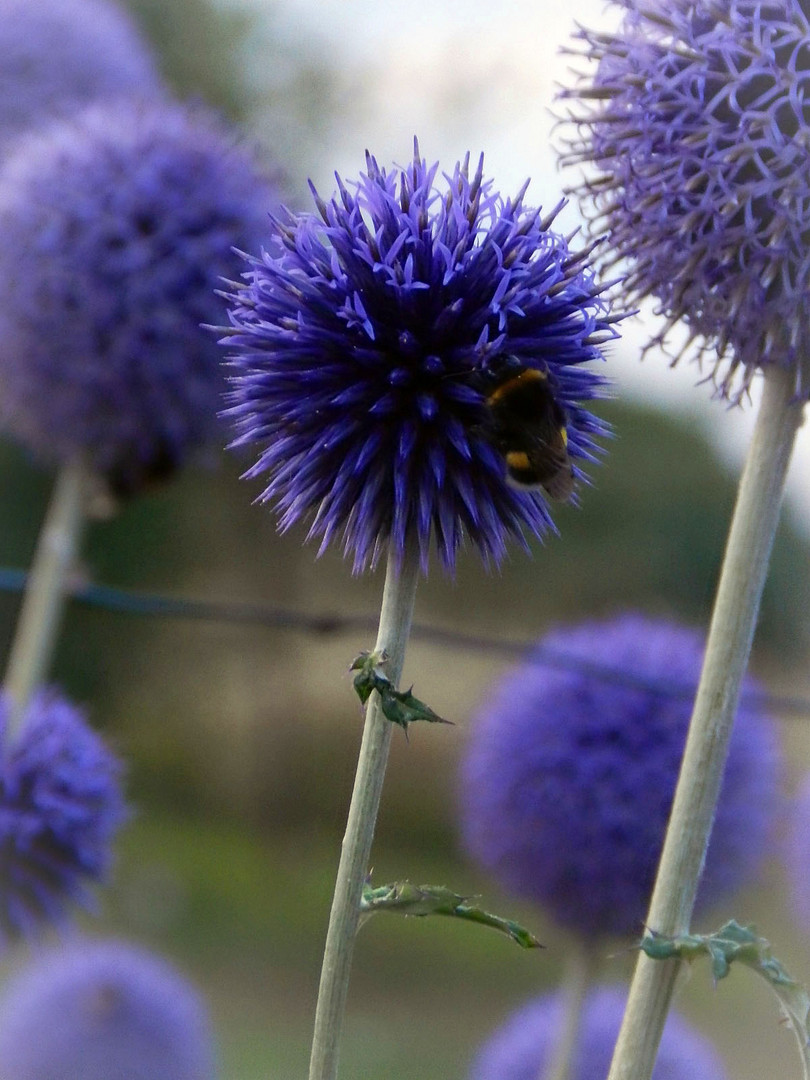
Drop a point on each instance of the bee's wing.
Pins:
(552, 463)
(560, 484)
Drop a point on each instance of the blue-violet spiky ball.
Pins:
(116, 228)
(523, 1047)
(696, 129)
(61, 804)
(367, 339)
(569, 774)
(103, 1010)
(58, 55)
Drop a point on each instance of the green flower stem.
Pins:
(728, 646)
(576, 982)
(392, 637)
(43, 600)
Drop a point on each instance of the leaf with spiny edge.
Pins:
(403, 898)
(398, 706)
(741, 943)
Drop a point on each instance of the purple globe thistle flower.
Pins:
(117, 226)
(368, 339)
(522, 1048)
(60, 807)
(797, 854)
(569, 774)
(103, 1010)
(697, 120)
(58, 55)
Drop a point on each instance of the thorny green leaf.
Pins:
(398, 706)
(403, 898)
(741, 943)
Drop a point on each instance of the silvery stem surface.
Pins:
(392, 637)
(731, 631)
(43, 600)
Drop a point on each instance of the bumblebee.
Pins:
(528, 427)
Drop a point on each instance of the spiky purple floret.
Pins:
(59, 55)
(61, 805)
(568, 777)
(117, 227)
(358, 348)
(103, 1010)
(697, 122)
(523, 1047)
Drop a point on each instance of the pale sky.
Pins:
(475, 75)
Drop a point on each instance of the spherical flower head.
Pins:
(59, 55)
(103, 1010)
(368, 338)
(797, 855)
(61, 805)
(117, 227)
(697, 124)
(571, 766)
(523, 1047)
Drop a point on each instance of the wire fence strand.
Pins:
(326, 624)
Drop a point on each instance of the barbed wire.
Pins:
(160, 605)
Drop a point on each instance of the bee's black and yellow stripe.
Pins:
(530, 431)
(516, 384)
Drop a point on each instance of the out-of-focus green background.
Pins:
(241, 741)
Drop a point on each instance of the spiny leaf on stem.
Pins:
(398, 706)
(741, 943)
(403, 898)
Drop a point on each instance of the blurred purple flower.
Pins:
(569, 774)
(363, 343)
(103, 1011)
(798, 854)
(697, 120)
(58, 55)
(522, 1048)
(116, 227)
(61, 804)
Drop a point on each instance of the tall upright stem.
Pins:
(392, 637)
(728, 646)
(43, 600)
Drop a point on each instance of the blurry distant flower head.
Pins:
(366, 341)
(58, 55)
(116, 228)
(569, 774)
(523, 1047)
(61, 805)
(103, 1011)
(698, 122)
(798, 855)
